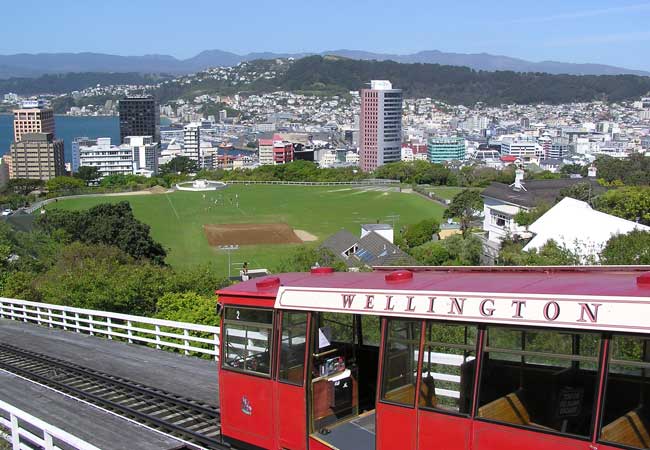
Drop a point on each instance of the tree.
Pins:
(180, 164)
(631, 203)
(188, 307)
(632, 248)
(551, 254)
(420, 233)
(88, 174)
(64, 185)
(107, 224)
(23, 186)
(583, 191)
(465, 206)
(526, 218)
(305, 257)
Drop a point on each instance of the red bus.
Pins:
(462, 358)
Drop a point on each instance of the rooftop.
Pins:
(536, 191)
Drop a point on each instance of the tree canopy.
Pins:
(465, 206)
(107, 224)
(632, 248)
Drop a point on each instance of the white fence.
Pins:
(369, 182)
(26, 432)
(186, 337)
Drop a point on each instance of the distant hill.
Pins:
(67, 82)
(33, 65)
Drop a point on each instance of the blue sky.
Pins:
(610, 32)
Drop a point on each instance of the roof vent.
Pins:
(268, 283)
(399, 276)
(643, 280)
(321, 270)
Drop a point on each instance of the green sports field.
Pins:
(177, 219)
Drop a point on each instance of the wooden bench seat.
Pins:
(628, 430)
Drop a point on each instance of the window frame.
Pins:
(598, 427)
(384, 353)
(598, 388)
(305, 364)
(477, 357)
(271, 328)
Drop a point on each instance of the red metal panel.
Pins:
(489, 436)
(443, 431)
(247, 408)
(292, 419)
(396, 427)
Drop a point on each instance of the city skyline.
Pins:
(593, 32)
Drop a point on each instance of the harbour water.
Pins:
(67, 128)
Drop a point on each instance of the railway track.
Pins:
(192, 421)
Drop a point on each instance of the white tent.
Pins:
(574, 225)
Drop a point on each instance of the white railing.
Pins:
(186, 337)
(26, 432)
(369, 182)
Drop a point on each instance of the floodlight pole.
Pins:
(228, 249)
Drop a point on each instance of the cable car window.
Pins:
(400, 368)
(247, 340)
(292, 348)
(371, 330)
(626, 411)
(543, 379)
(448, 365)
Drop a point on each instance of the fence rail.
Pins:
(26, 432)
(186, 337)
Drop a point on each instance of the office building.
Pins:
(265, 151)
(9, 162)
(380, 125)
(559, 148)
(109, 159)
(522, 147)
(442, 149)
(192, 141)
(145, 154)
(37, 156)
(139, 116)
(76, 143)
(33, 117)
(4, 173)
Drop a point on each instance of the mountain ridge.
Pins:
(34, 65)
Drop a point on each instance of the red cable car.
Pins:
(462, 358)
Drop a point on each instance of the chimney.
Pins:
(592, 171)
(518, 185)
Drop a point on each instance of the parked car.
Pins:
(6, 212)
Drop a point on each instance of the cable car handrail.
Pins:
(562, 356)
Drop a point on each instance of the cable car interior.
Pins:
(343, 385)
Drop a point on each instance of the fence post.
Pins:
(49, 317)
(157, 337)
(216, 346)
(109, 328)
(65, 320)
(38, 315)
(24, 313)
(185, 341)
(49, 442)
(129, 332)
(76, 322)
(90, 324)
(15, 434)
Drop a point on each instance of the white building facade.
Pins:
(108, 159)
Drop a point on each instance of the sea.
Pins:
(66, 128)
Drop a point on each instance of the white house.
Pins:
(574, 225)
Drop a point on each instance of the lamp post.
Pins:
(229, 249)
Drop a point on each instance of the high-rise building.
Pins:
(145, 153)
(33, 117)
(4, 173)
(192, 141)
(9, 162)
(441, 149)
(139, 116)
(76, 143)
(560, 148)
(37, 156)
(109, 159)
(380, 125)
